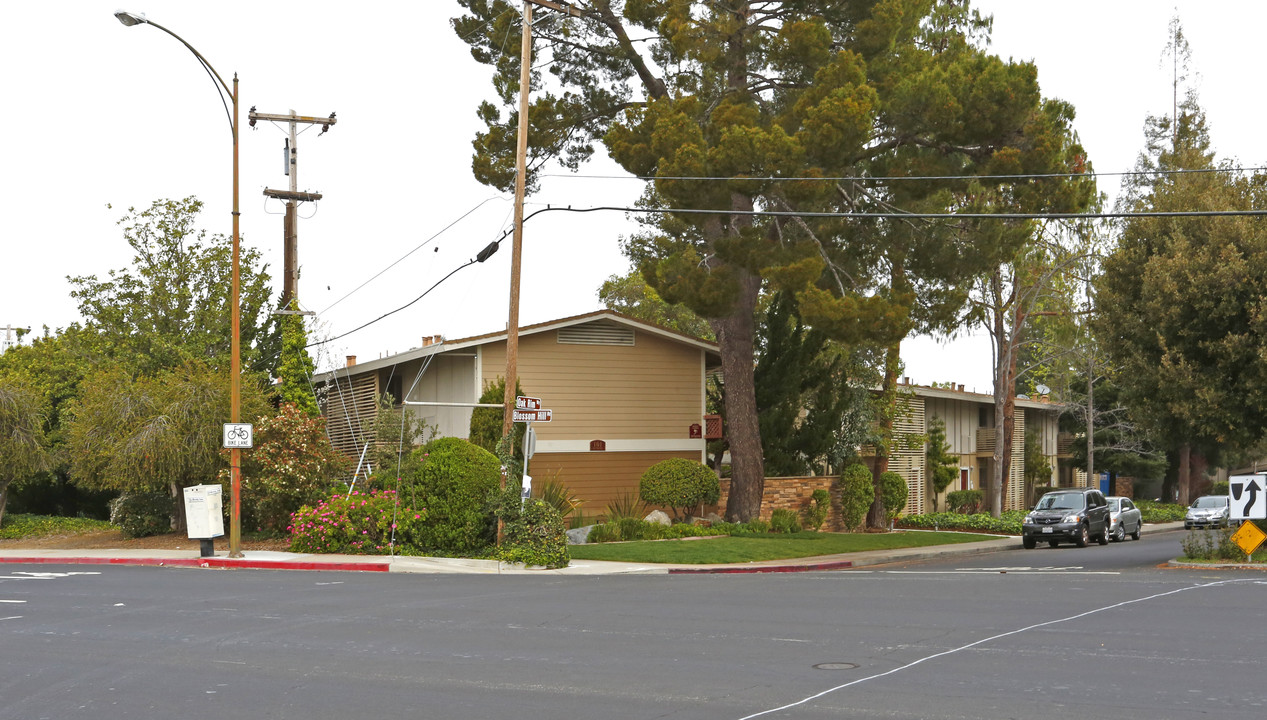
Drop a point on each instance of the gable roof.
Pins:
(712, 353)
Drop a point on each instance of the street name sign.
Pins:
(523, 402)
(1247, 497)
(531, 415)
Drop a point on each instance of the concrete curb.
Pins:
(264, 560)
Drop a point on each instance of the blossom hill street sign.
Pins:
(531, 415)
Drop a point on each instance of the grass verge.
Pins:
(752, 548)
(18, 526)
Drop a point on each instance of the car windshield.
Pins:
(1210, 501)
(1061, 501)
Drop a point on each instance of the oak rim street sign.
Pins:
(1249, 537)
(523, 402)
(239, 435)
(530, 416)
(1247, 497)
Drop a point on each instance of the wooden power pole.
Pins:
(290, 262)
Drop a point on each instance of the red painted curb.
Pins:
(212, 562)
(838, 565)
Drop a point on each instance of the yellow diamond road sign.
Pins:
(1249, 537)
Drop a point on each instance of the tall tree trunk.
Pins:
(4, 498)
(1002, 366)
(1009, 406)
(892, 363)
(1185, 473)
(735, 334)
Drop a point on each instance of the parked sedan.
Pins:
(1124, 519)
(1207, 511)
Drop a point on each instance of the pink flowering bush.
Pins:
(358, 524)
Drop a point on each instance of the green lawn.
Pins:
(770, 546)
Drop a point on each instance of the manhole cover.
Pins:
(836, 666)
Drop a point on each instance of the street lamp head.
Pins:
(130, 19)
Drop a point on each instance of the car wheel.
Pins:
(1084, 536)
(1028, 543)
(1135, 535)
(1120, 533)
(1103, 537)
(1053, 543)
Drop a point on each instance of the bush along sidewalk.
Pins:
(1008, 523)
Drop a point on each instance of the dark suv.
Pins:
(1073, 514)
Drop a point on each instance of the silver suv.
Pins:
(1073, 515)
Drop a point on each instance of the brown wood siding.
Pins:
(652, 390)
(348, 404)
(598, 478)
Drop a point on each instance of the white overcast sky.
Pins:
(98, 114)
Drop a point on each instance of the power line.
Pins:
(900, 178)
(912, 215)
(411, 252)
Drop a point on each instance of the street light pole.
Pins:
(235, 374)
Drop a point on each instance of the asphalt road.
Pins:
(1099, 632)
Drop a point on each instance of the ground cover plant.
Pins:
(17, 526)
(752, 547)
(1152, 511)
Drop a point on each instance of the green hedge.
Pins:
(679, 484)
(1008, 523)
(456, 482)
(1155, 512)
(18, 525)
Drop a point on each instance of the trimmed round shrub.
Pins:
(966, 502)
(142, 514)
(456, 481)
(892, 493)
(536, 537)
(679, 484)
(856, 495)
(358, 523)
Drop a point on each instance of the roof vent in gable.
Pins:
(597, 333)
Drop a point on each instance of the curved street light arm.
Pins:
(221, 86)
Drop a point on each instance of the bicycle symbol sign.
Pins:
(239, 435)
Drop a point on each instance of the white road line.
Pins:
(15, 602)
(982, 641)
(12, 617)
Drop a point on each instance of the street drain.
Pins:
(836, 666)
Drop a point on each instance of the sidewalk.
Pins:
(267, 560)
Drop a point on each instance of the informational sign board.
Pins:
(1249, 537)
(523, 402)
(239, 435)
(204, 511)
(531, 415)
(1247, 497)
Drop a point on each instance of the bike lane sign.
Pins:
(239, 435)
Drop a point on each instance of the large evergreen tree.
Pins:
(1182, 300)
(758, 94)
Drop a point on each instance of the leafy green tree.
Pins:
(291, 465)
(856, 492)
(630, 294)
(943, 467)
(172, 305)
(893, 493)
(681, 89)
(1181, 297)
(23, 447)
(153, 433)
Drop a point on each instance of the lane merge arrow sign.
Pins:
(1248, 497)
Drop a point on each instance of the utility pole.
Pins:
(290, 262)
(517, 241)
